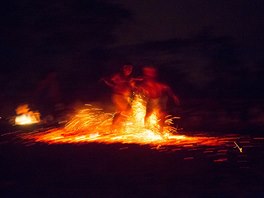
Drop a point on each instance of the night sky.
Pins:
(157, 20)
(204, 49)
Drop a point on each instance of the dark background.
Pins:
(210, 52)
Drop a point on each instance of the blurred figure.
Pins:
(48, 96)
(122, 86)
(157, 95)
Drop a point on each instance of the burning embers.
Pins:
(25, 116)
(92, 124)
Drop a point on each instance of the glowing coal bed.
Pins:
(93, 125)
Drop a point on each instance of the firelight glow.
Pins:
(92, 124)
(25, 116)
(26, 119)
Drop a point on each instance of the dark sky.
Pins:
(157, 20)
(27, 23)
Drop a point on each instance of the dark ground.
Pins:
(118, 170)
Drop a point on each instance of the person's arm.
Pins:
(133, 82)
(108, 82)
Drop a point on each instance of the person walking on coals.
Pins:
(122, 86)
(157, 95)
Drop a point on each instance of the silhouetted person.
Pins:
(157, 95)
(48, 95)
(122, 85)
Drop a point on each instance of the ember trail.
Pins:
(92, 124)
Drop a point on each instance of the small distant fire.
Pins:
(25, 116)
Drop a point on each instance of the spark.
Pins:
(239, 148)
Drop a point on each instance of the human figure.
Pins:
(47, 95)
(122, 85)
(157, 95)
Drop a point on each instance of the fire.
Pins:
(92, 124)
(25, 116)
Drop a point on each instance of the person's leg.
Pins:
(122, 107)
(161, 117)
(149, 112)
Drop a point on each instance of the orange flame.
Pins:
(25, 116)
(92, 124)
